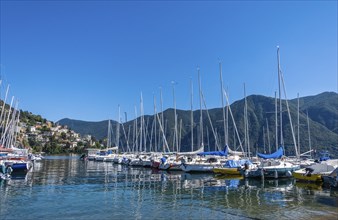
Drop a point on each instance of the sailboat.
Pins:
(173, 162)
(305, 159)
(206, 161)
(13, 157)
(108, 154)
(274, 165)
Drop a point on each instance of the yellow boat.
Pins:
(227, 171)
(313, 173)
(302, 175)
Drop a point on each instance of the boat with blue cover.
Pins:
(273, 166)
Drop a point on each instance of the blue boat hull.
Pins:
(19, 167)
(22, 167)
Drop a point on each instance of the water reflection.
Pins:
(105, 190)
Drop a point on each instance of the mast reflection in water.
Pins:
(61, 187)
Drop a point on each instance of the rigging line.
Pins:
(212, 127)
(233, 121)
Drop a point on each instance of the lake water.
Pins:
(63, 187)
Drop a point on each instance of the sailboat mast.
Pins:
(180, 136)
(155, 132)
(162, 119)
(108, 134)
(244, 117)
(165, 143)
(201, 116)
(118, 128)
(136, 130)
(280, 98)
(128, 137)
(145, 132)
(9, 114)
(227, 122)
(308, 130)
(276, 121)
(141, 123)
(175, 117)
(267, 128)
(192, 117)
(264, 140)
(208, 138)
(246, 122)
(144, 127)
(16, 124)
(298, 140)
(222, 100)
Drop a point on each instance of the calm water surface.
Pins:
(63, 187)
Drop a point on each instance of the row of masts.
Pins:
(9, 120)
(159, 126)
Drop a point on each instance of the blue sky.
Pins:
(81, 59)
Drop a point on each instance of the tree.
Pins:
(63, 135)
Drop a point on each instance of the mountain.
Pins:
(97, 129)
(322, 110)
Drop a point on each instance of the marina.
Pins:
(168, 110)
(64, 187)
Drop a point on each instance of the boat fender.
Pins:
(288, 173)
(276, 174)
(9, 170)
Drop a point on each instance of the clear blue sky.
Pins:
(81, 59)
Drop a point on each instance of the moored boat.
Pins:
(233, 167)
(313, 173)
(272, 169)
(306, 175)
(172, 163)
(19, 166)
(201, 165)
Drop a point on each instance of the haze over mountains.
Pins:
(322, 110)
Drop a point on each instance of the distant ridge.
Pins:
(322, 110)
(96, 129)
